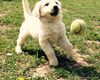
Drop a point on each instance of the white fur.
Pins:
(46, 28)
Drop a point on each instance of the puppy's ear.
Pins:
(36, 10)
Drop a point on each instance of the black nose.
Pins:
(55, 8)
(55, 11)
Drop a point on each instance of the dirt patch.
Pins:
(90, 48)
(3, 13)
(20, 64)
(41, 71)
(33, 70)
(5, 27)
(91, 51)
(97, 26)
(88, 42)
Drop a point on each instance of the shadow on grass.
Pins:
(73, 67)
(38, 52)
(70, 65)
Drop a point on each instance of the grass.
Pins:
(13, 66)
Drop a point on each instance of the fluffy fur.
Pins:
(45, 24)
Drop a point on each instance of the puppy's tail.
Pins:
(27, 11)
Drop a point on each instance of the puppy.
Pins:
(45, 24)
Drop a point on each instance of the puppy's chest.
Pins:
(53, 35)
(52, 32)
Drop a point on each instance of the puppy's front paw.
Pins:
(54, 62)
(18, 50)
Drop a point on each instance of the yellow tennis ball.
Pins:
(78, 27)
(20, 78)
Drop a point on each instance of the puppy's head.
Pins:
(49, 9)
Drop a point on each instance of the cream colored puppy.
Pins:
(45, 24)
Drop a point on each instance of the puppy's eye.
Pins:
(57, 3)
(46, 4)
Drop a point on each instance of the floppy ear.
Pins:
(36, 10)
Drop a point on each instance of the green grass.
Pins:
(13, 66)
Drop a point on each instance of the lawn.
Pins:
(33, 65)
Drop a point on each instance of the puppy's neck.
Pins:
(49, 20)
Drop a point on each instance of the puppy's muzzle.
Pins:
(55, 11)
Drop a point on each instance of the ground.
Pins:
(33, 65)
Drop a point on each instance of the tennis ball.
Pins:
(78, 27)
(20, 78)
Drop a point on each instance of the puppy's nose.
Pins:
(55, 7)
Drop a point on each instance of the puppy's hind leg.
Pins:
(21, 39)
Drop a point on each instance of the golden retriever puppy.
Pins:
(45, 24)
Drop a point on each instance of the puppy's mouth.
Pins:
(55, 11)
